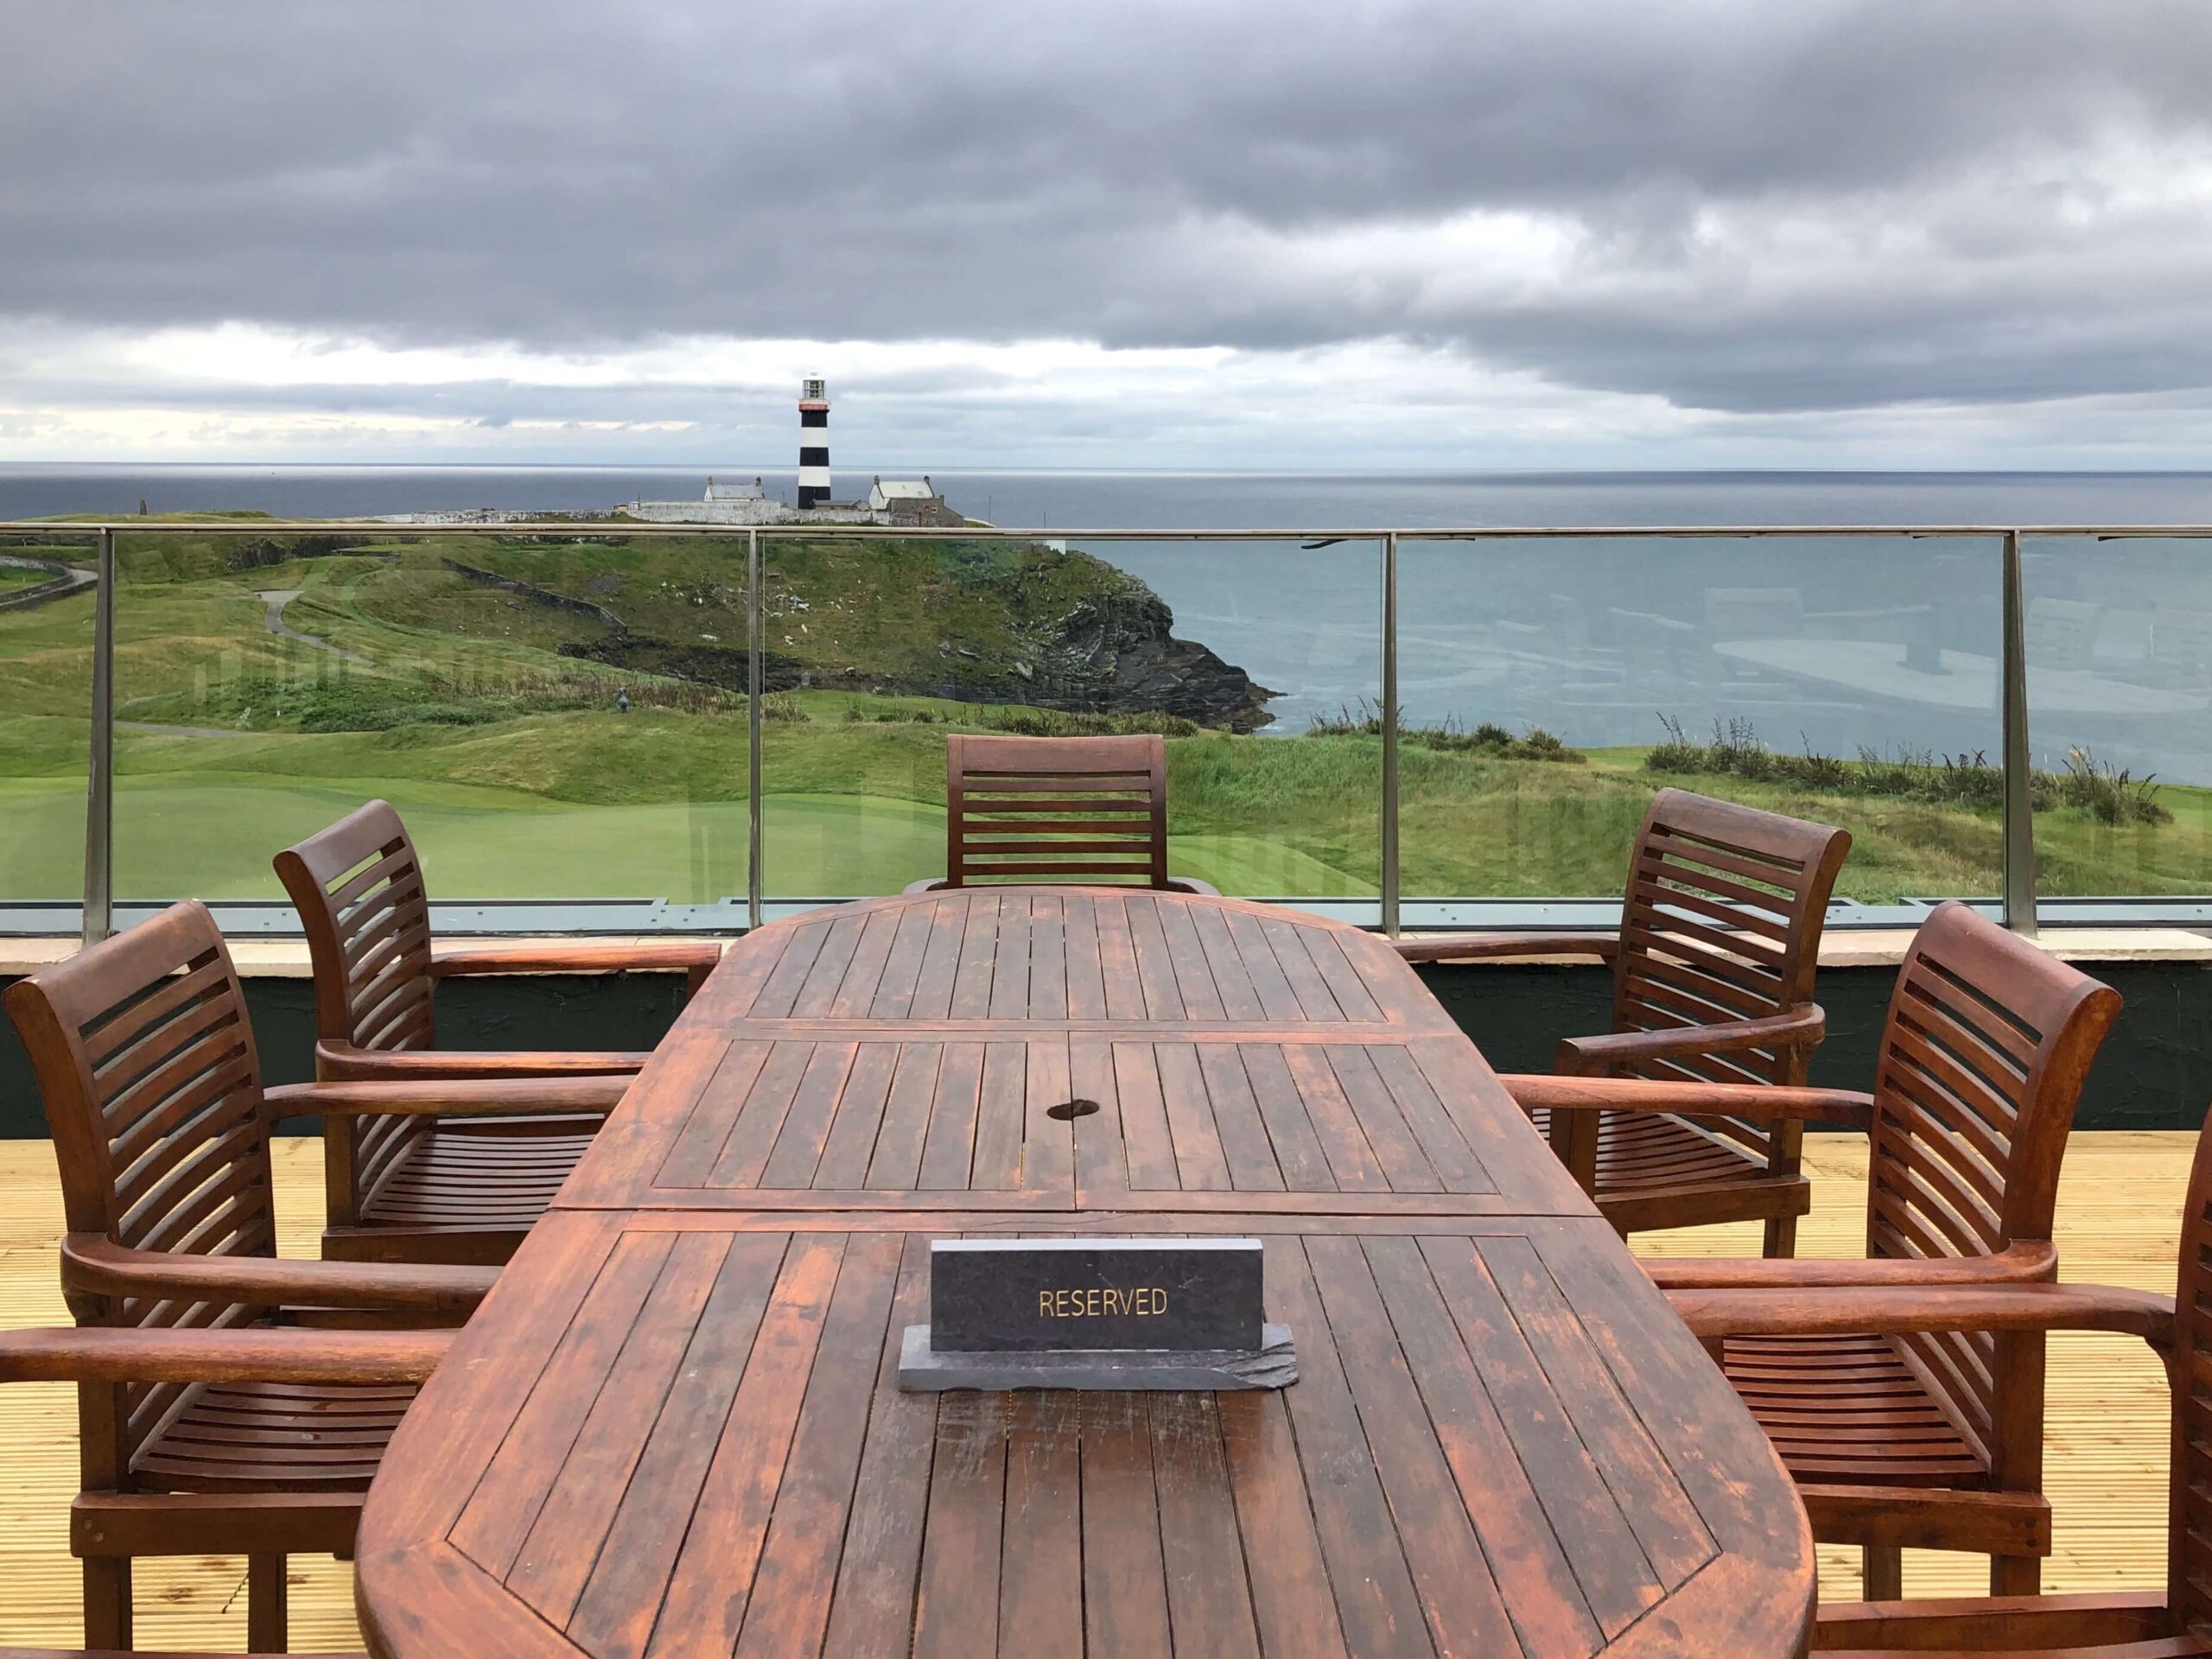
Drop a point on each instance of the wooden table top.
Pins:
(1240, 1058)
(674, 1428)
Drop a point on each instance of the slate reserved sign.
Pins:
(1121, 1314)
(1030, 1295)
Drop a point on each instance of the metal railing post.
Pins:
(99, 772)
(752, 682)
(2019, 794)
(1389, 883)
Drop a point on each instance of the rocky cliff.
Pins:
(976, 622)
(1112, 653)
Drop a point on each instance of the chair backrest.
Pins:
(1986, 1046)
(1085, 809)
(2189, 1589)
(1722, 921)
(358, 887)
(145, 1060)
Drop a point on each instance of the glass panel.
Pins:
(2119, 714)
(47, 592)
(877, 647)
(1549, 688)
(557, 716)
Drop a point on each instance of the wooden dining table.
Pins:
(675, 1427)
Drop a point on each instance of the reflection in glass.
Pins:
(1233, 650)
(2120, 714)
(47, 591)
(555, 716)
(1549, 687)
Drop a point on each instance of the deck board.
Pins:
(2119, 1206)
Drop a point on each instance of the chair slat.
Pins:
(1055, 810)
(1721, 921)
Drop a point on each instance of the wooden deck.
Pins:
(2119, 1207)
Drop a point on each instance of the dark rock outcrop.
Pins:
(530, 590)
(1113, 651)
(1116, 653)
(717, 665)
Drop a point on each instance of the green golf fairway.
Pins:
(180, 835)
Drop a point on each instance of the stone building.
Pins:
(909, 501)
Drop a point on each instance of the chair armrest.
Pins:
(2106, 1621)
(580, 956)
(447, 1097)
(96, 1354)
(1191, 883)
(337, 1061)
(1471, 947)
(1758, 1102)
(1594, 1056)
(2026, 1262)
(98, 1265)
(927, 884)
(1899, 1309)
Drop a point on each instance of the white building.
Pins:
(908, 501)
(884, 492)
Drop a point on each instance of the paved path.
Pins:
(77, 577)
(156, 729)
(276, 599)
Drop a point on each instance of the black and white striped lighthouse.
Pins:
(813, 442)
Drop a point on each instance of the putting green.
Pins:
(184, 835)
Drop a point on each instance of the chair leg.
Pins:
(107, 1601)
(267, 1596)
(1884, 1568)
(1780, 1238)
(2015, 1575)
(1574, 1139)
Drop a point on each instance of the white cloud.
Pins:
(1216, 232)
(241, 392)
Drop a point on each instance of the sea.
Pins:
(1886, 644)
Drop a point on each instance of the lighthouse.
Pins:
(813, 442)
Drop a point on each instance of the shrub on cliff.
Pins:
(1967, 778)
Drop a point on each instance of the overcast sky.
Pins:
(1290, 232)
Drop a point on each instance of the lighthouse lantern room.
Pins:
(813, 442)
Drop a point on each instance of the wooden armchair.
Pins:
(146, 1062)
(2130, 1625)
(419, 1187)
(305, 1363)
(1933, 1441)
(1085, 809)
(1713, 979)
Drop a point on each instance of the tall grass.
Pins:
(1449, 736)
(2108, 794)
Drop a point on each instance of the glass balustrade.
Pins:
(1257, 662)
(563, 714)
(2119, 635)
(47, 585)
(1550, 687)
(555, 716)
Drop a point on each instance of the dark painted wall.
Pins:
(2155, 1071)
(554, 1011)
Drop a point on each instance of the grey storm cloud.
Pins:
(1754, 206)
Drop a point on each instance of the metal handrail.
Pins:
(1063, 533)
(2019, 900)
